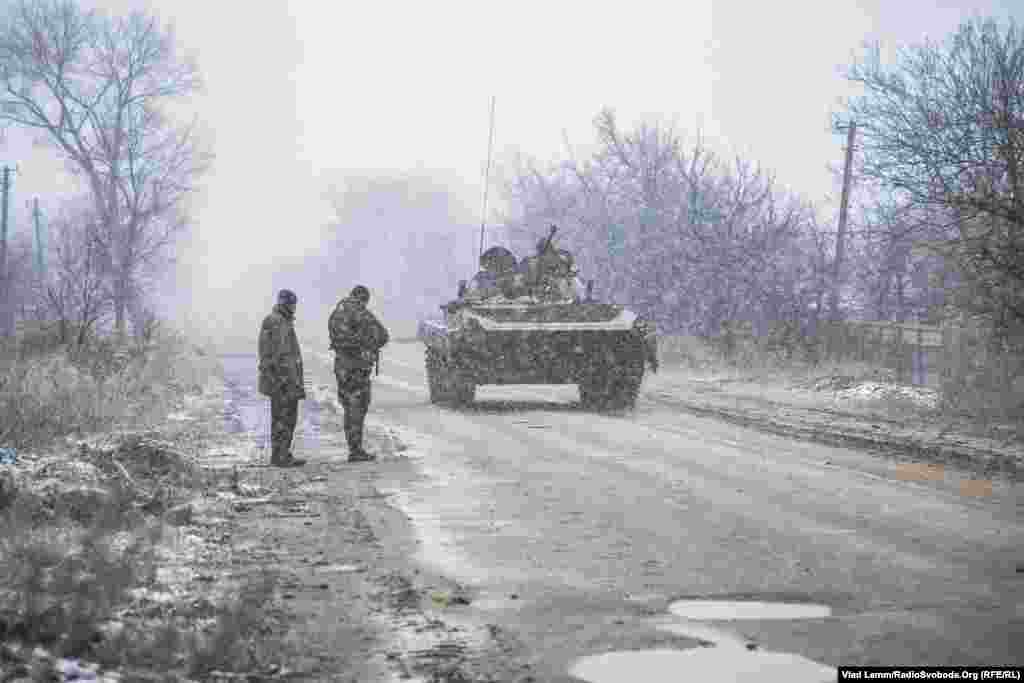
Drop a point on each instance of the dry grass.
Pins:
(687, 352)
(195, 643)
(987, 400)
(47, 393)
(72, 547)
(735, 356)
(64, 574)
(65, 584)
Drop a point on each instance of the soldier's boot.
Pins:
(360, 455)
(292, 461)
(355, 448)
(284, 458)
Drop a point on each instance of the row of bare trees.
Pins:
(697, 241)
(689, 238)
(96, 89)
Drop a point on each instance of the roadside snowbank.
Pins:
(923, 397)
(868, 412)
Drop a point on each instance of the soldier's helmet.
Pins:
(360, 293)
(287, 296)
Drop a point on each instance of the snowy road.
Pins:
(595, 523)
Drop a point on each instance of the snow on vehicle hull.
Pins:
(601, 347)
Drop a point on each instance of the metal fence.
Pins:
(918, 353)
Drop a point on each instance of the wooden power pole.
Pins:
(40, 260)
(844, 204)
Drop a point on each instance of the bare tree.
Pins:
(943, 127)
(899, 271)
(18, 280)
(75, 291)
(96, 87)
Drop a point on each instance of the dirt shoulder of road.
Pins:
(254, 573)
(882, 417)
(352, 603)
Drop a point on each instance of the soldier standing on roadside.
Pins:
(356, 338)
(281, 377)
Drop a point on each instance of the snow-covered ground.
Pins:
(922, 397)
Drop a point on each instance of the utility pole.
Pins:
(5, 281)
(40, 262)
(844, 204)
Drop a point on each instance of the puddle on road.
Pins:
(729, 658)
(729, 610)
(340, 568)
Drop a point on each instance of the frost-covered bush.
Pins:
(92, 387)
(47, 395)
(685, 351)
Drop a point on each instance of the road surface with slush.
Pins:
(583, 533)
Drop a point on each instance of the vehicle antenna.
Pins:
(487, 183)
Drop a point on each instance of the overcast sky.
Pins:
(299, 90)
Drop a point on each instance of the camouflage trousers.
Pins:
(354, 396)
(284, 413)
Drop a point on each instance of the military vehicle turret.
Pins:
(531, 322)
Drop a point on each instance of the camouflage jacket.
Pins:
(356, 335)
(280, 357)
(545, 267)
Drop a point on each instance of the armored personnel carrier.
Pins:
(531, 322)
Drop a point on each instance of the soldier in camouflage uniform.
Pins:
(497, 268)
(356, 338)
(550, 273)
(281, 376)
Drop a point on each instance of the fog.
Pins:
(351, 140)
(405, 236)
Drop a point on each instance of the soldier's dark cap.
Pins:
(361, 293)
(287, 296)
